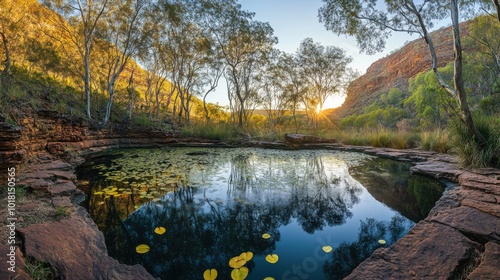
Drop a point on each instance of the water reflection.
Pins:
(216, 204)
(388, 181)
(348, 255)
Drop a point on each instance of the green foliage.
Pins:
(21, 192)
(213, 131)
(473, 155)
(436, 140)
(428, 100)
(16, 94)
(378, 137)
(387, 117)
(387, 111)
(39, 270)
(490, 105)
(484, 40)
(142, 121)
(61, 212)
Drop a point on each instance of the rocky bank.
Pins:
(460, 239)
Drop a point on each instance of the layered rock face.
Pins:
(49, 135)
(394, 70)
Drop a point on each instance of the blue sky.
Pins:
(295, 20)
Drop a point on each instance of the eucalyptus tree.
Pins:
(293, 82)
(214, 71)
(371, 24)
(125, 32)
(243, 43)
(79, 24)
(274, 88)
(325, 70)
(156, 59)
(484, 39)
(12, 20)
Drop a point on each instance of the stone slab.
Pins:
(466, 220)
(428, 251)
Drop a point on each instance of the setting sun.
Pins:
(334, 102)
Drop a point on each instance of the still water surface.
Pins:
(217, 203)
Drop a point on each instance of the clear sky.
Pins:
(295, 20)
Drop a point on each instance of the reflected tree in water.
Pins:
(204, 233)
(225, 201)
(348, 255)
(391, 183)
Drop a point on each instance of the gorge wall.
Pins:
(395, 69)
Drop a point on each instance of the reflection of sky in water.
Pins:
(227, 198)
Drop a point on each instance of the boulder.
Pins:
(75, 248)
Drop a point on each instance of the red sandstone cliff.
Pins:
(395, 69)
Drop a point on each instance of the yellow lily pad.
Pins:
(236, 262)
(382, 242)
(160, 230)
(266, 236)
(272, 258)
(247, 256)
(327, 249)
(239, 273)
(141, 249)
(269, 278)
(210, 274)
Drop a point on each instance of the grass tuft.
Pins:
(436, 140)
(473, 155)
(213, 131)
(39, 270)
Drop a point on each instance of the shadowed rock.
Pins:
(75, 248)
(421, 254)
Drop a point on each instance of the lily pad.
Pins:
(247, 256)
(272, 258)
(210, 274)
(269, 278)
(382, 242)
(142, 249)
(327, 249)
(266, 236)
(239, 273)
(160, 230)
(237, 262)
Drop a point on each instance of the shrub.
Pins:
(213, 131)
(470, 152)
(436, 140)
(38, 270)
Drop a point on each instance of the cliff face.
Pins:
(395, 69)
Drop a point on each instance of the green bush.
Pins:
(142, 121)
(213, 131)
(436, 140)
(379, 137)
(38, 270)
(472, 154)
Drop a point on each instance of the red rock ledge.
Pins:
(460, 239)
